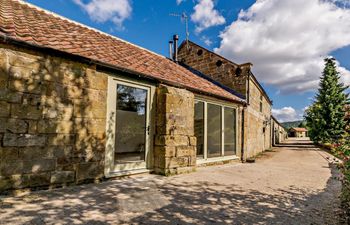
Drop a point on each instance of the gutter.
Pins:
(10, 40)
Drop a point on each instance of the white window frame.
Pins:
(222, 105)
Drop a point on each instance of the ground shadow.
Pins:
(159, 200)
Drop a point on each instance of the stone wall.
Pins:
(259, 137)
(258, 132)
(175, 144)
(228, 74)
(280, 134)
(52, 120)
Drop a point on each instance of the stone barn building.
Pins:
(78, 105)
(257, 135)
(299, 132)
(279, 132)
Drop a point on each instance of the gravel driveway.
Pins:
(292, 184)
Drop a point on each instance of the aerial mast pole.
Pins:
(183, 17)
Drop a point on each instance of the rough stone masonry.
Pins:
(52, 120)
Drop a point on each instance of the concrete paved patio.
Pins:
(293, 184)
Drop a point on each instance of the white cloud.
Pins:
(286, 114)
(107, 10)
(178, 2)
(206, 16)
(206, 40)
(289, 114)
(287, 40)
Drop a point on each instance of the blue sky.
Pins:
(240, 30)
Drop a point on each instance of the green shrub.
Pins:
(342, 150)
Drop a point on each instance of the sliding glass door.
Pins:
(215, 130)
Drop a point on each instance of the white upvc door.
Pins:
(128, 127)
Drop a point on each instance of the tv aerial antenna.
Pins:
(183, 17)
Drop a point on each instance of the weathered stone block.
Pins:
(92, 170)
(11, 167)
(61, 139)
(39, 165)
(167, 140)
(90, 142)
(60, 177)
(10, 96)
(91, 109)
(175, 162)
(73, 92)
(29, 85)
(8, 154)
(13, 125)
(3, 79)
(26, 112)
(34, 153)
(95, 95)
(32, 180)
(185, 151)
(32, 99)
(96, 80)
(3, 60)
(90, 126)
(54, 126)
(60, 151)
(19, 72)
(193, 141)
(4, 109)
(57, 90)
(23, 140)
(164, 151)
(25, 60)
(58, 113)
(32, 126)
(5, 183)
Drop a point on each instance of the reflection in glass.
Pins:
(230, 131)
(199, 127)
(214, 130)
(130, 124)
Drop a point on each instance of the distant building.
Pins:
(297, 132)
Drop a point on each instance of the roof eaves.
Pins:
(14, 41)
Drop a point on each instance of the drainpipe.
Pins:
(242, 135)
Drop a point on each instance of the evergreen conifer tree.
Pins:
(326, 117)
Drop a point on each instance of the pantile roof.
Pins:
(299, 129)
(24, 22)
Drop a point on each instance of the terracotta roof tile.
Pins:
(299, 129)
(24, 22)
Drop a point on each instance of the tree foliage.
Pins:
(326, 116)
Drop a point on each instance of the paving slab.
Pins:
(295, 183)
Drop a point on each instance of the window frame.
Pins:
(222, 105)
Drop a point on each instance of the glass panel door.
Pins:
(131, 124)
(214, 130)
(229, 131)
(199, 127)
